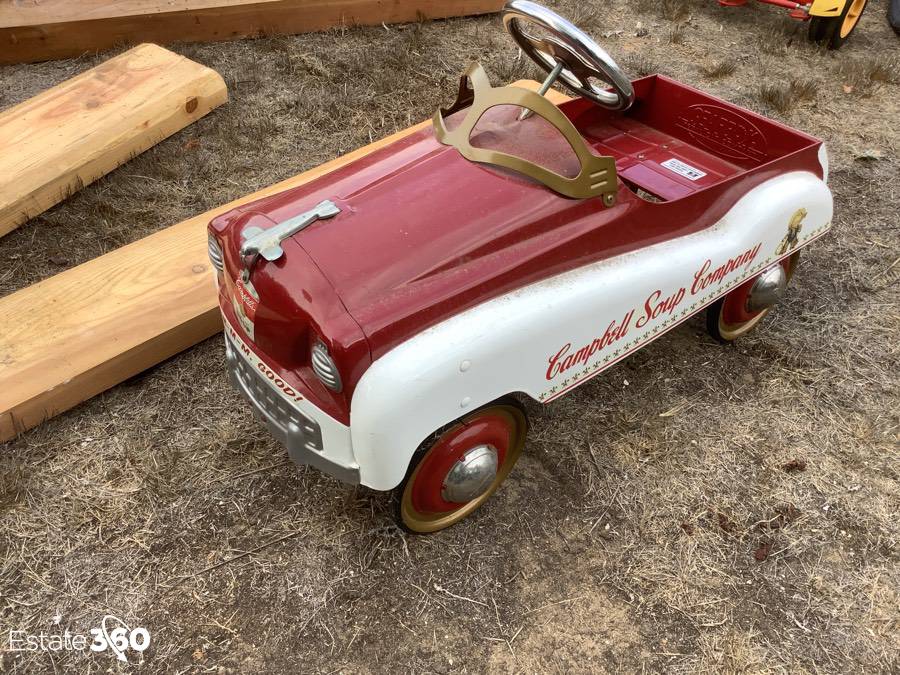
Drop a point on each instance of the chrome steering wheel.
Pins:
(568, 53)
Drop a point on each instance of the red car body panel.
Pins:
(424, 234)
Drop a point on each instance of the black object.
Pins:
(894, 15)
(827, 30)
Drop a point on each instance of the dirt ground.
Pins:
(696, 508)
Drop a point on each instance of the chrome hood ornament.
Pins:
(267, 243)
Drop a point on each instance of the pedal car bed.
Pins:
(386, 319)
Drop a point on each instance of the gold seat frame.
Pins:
(598, 174)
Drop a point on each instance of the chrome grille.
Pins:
(288, 424)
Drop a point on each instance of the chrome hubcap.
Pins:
(767, 289)
(471, 475)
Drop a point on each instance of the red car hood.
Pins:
(424, 233)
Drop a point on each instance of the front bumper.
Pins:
(311, 436)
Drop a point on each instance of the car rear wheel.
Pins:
(832, 31)
(739, 312)
(461, 466)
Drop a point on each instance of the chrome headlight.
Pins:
(215, 253)
(325, 368)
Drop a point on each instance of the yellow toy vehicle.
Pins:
(830, 21)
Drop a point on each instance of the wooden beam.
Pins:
(70, 135)
(53, 29)
(76, 334)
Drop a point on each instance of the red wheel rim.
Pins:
(492, 430)
(734, 309)
(422, 505)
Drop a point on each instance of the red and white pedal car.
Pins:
(385, 319)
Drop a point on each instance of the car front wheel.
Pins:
(461, 466)
(739, 312)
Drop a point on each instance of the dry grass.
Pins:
(675, 10)
(678, 34)
(659, 518)
(784, 97)
(671, 10)
(640, 65)
(585, 15)
(721, 68)
(866, 76)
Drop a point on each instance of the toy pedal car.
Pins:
(830, 21)
(385, 319)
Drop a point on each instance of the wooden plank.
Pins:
(68, 136)
(76, 334)
(53, 29)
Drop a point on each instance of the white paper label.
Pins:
(682, 169)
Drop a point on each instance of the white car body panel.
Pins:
(548, 337)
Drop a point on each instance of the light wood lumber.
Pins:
(39, 30)
(72, 134)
